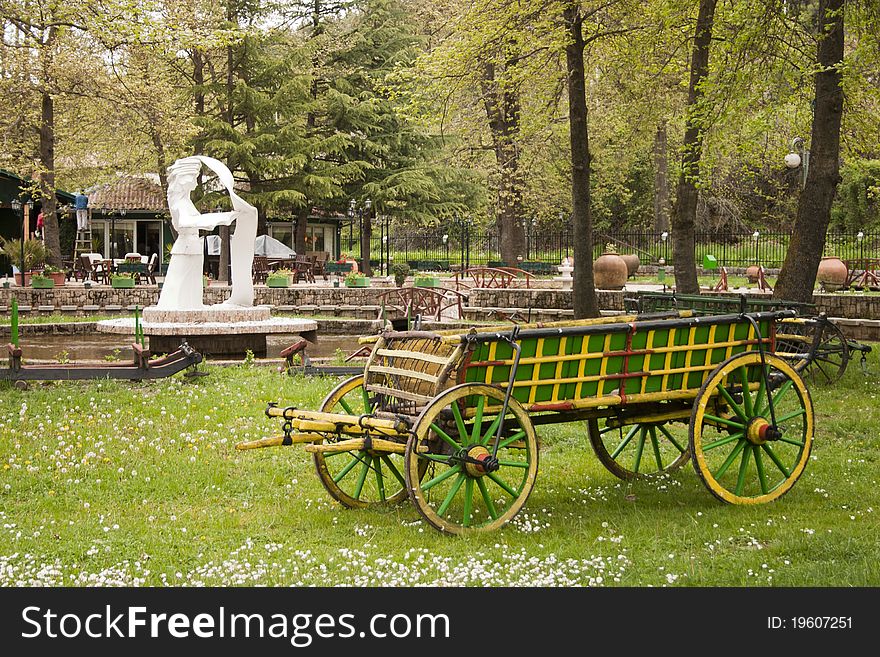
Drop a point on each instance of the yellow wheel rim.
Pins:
(359, 478)
(458, 495)
(731, 455)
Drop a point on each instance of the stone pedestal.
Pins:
(214, 331)
(566, 278)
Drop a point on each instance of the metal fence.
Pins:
(460, 244)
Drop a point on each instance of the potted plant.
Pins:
(356, 279)
(35, 256)
(400, 270)
(41, 282)
(279, 278)
(58, 276)
(426, 280)
(122, 280)
(342, 266)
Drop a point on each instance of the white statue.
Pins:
(183, 287)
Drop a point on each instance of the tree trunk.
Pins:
(47, 180)
(684, 219)
(223, 265)
(661, 181)
(299, 239)
(798, 275)
(503, 113)
(586, 304)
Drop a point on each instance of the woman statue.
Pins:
(183, 287)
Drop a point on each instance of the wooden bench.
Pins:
(490, 277)
(424, 301)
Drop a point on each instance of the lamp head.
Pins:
(16, 204)
(664, 235)
(860, 236)
(756, 235)
(792, 160)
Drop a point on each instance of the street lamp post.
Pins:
(860, 237)
(361, 211)
(665, 236)
(18, 208)
(799, 155)
(756, 236)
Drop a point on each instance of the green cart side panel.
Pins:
(571, 368)
(696, 345)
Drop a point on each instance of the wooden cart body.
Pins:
(469, 402)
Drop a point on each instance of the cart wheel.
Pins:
(640, 450)
(795, 339)
(466, 489)
(742, 458)
(831, 358)
(359, 478)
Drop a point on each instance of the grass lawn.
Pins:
(107, 483)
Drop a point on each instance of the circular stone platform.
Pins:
(214, 314)
(213, 338)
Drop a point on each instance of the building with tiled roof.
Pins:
(139, 194)
(133, 211)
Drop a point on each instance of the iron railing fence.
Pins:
(460, 244)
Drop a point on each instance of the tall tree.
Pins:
(586, 304)
(798, 275)
(661, 180)
(684, 219)
(39, 31)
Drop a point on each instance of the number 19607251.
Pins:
(810, 623)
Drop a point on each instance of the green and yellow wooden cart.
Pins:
(449, 419)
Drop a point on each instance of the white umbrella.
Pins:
(263, 246)
(269, 246)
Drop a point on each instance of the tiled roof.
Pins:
(129, 194)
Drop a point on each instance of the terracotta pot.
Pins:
(27, 278)
(59, 277)
(632, 264)
(752, 274)
(832, 273)
(609, 271)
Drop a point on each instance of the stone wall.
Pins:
(76, 299)
(539, 298)
(365, 302)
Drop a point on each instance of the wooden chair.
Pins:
(302, 270)
(82, 268)
(152, 266)
(100, 272)
(319, 262)
(260, 269)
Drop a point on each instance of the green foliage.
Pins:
(35, 253)
(400, 270)
(857, 206)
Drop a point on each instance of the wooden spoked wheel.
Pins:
(642, 449)
(359, 478)
(795, 339)
(831, 358)
(468, 488)
(742, 456)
